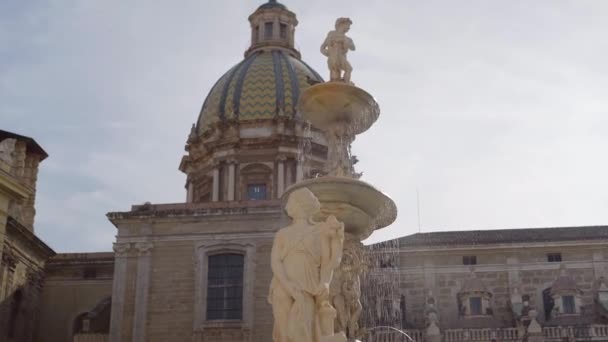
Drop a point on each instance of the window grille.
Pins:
(225, 287)
(554, 257)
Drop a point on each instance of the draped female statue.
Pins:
(304, 255)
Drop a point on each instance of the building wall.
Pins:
(438, 271)
(74, 284)
(159, 294)
(22, 254)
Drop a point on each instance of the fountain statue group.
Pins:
(317, 259)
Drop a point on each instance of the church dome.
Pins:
(272, 4)
(265, 85)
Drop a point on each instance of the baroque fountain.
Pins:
(317, 260)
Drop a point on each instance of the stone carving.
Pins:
(345, 289)
(303, 258)
(144, 248)
(432, 332)
(335, 47)
(7, 146)
(121, 249)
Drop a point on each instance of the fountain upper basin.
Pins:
(333, 106)
(361, 207)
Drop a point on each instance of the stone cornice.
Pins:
(78, 259)
(25, 235)
(207, 209)
(10, 186)
(506, 246)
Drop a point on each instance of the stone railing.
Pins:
(481, 335)
(91, 338)
(595, 332)
(393, 336)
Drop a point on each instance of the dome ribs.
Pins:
(295, 87)
(238, 90)
(278, 79)
(312, 71)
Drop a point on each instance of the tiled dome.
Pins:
(266, 84)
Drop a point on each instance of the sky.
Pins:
(494, 112)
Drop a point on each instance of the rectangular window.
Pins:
(554, 257)
(256, 192)
(283, 31)
(225, 287)
(268, 30)
(568, 305)
(469, 260)
(475, 304)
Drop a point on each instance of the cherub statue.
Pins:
(303, 258)
(335, 47)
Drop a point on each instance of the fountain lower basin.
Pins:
(360, 206)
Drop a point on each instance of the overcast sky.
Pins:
(496, 111)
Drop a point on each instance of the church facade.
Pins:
(200, 270)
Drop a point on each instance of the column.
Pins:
(144, 262)
(190, 194)
(216, 183)
(276, 30)
(260, 31)
(299, 171)
(288, 174)
(280, 175)
(231, 178)
(118, 290)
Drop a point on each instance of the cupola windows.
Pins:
(272, 26)
(268, 28)
(256, 192)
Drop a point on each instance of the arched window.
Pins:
(225, 286)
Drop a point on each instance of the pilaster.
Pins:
(280, 175)
(144, 263)
(231, 179)
(121, 251)
(215, 196)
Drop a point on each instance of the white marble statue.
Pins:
(345, 289)
(303, 258)
(335, 47)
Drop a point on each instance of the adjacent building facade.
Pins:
(199, 270)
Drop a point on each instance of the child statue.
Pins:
(335, 47)
(304, 255)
